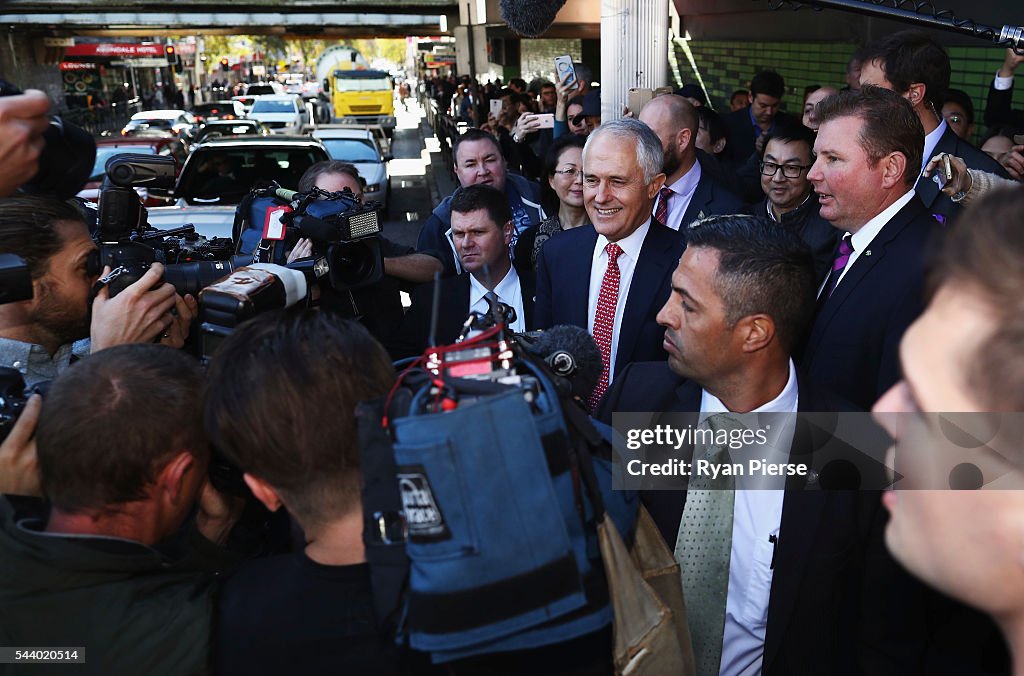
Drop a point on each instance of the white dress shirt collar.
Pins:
(785, 402)
(508, 291)
(630, 245)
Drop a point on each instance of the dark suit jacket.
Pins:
(825, 538)
(817, 233)
(740, 144)
(413, 337)
(711, 198)
(853, 347)
(999, 108)
(563, 288)
(839, 603)
(928, 190)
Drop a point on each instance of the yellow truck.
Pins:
(363, 97)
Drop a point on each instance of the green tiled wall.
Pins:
(727, 66)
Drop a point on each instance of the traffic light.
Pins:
(224, 64)
(173, 60)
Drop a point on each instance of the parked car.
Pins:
(219, 128)
(219, 110)
(359, 146)
(219, 173)
(179, 122)
(264, 88)
(284, 114)
(246, 102)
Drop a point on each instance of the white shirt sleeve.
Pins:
(1003, 83)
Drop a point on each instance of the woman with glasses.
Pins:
(561, 195)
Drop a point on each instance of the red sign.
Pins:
(114, 49)
(72, 65)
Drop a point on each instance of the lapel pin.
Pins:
(868, 252)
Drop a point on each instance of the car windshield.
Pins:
(272, 106)
(154, 123)
(225, 175)
(363, 84)
(258, 90)
(105, 153)
(350, 150)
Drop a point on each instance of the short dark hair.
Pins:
(28, 228)
(983, 254)
(280, 403)
(714, 123)
(548, 198)
(739, 92)
(308, 179)
(519, 82)
(763, 268)
(111, 422)
(962, 99)
(912, 56)
(890, 124)
(475, 197)
(790, 132)
(768, 82)
(470, 135)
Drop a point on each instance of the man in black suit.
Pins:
(741, 296)
(612, 276)
(690, 193)
(916, 67)
(482, 230)
(868, 153)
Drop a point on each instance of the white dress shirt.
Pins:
(757, 516)
(509, 292)
(627, 264)
(684, 187)
(862, 239)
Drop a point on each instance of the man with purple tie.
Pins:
(868, 152)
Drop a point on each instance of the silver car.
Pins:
(360, 147)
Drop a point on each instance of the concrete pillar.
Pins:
(634, 50)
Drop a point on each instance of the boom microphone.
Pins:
(530, 17)
(571, 352)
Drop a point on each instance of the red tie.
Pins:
(604, 319)
(661, 213)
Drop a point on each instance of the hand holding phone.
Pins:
(565, 72)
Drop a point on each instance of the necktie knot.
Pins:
(614, 251)
(666, 193)
(846, 245)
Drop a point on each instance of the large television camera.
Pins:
(345, 233)
(129, 245)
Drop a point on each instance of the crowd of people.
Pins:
(858, 254)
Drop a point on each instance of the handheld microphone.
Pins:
(571, 353)
(529, 17)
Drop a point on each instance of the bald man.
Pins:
(691, 191)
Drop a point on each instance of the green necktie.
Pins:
(702, 549)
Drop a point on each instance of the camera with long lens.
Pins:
(66, 160)
(129, 245)
(14, 396)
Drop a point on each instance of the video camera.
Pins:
(345, 234)
(129, 245)
(347, 255)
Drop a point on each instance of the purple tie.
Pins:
(838, 265)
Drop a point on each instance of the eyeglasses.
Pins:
(955, 118)
(575, 173)
(788, 170)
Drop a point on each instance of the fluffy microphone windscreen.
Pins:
(530, 17)
(572, 353)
